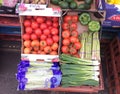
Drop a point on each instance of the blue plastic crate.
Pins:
(12, 30)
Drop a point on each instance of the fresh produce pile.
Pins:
(89, 39)
(78, 72)
(70, 39)
(73, 4)
(36, 75)
(40, 35)
(35, 1)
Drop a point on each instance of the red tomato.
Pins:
(50, 27)
(40, 19)
(55, 24)
(47, 49)
(49, 22)
(67, 18)
(27, 23)
(75, 18)
(53, 53)
(55, 19)
(46, 31)
(43, 37)
(55, 38)
(43, 26)
(77, 45)
(34, 25)
(26, 36)
(28, 30)
(74, 33)
(38, 31)
(65, 26)
(73, 51)
(49, 41)
(73, 39)
(65, 49)
(66, 41)
(54, 46)
(33, 36)
(66, 34)
(73, 26)
(43, 43)
(54, 31)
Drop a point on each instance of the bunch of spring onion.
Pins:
(78, 72)
(36, 75)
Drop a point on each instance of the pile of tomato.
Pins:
(40, 35)
(70, 41)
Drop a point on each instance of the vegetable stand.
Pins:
(67, 57)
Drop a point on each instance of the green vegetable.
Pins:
(84, 18)
(73, 5)
(94, 26)
(56, 2)
(64, 4)
(69, 1)
(88, 1)
(84, 6)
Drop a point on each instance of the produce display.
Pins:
(73, 4)
(36, 75)
(70, 39)
(40, 35)
(34, 1)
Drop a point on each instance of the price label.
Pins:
(56, 11)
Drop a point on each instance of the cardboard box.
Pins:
(112, 18)
(37, 13)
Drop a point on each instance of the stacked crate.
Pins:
(112, 58)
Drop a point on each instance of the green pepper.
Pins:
(84, 18)
(94, 26)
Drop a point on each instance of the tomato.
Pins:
(46, 31)
(54, 46)
(66, 41)
(74, 33)
(54, 31)
(77, 45)
(65, 49)
(33, 52)
(35, 43)
(76, 55)
(73, 39)
(28, 30)
(26, 36)
(38, 31)
(75, 18)
(43, 37)
(73, 26)
(36, 48)
(49, 22)
(65, 26)
(50, 27)
(34, 25)
(42, 53)
(49, 41)
(33, 36)
(40, 19)
(43, 43)
(27, 50)
(43, 26)
(55, 38)
(27, 23)
(53, 53)
(67, 18)
(66, 34)
(55, 19)
(73, 51)
(55, 24)
(27, 43)
(49, 36)
(47, 49)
